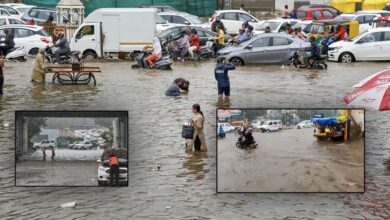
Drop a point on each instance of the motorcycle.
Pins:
(163, 63)
(15, 54)
(70, 57)
(241, 143)
(171, 48)
(299, 60)
(221, 135)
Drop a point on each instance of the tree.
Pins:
(108, 136)
(34, 126)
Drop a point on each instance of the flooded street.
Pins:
(185, 187)
(290, 161)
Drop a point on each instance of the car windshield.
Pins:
(160, 20)
(43, 33)
(272, 24)
(193, 19)
(347, 17)
(357, 36)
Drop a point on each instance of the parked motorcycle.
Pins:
(15, 54)
(299, 60)
(70, 57)
(163, 63)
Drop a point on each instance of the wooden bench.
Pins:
(65, 75)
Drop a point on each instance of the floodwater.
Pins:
(57, 173)
(291, 160)
(185, 186)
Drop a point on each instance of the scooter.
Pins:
(15, 54)
(299, 60)
(241, 143)
(70, 57)
(163, 63)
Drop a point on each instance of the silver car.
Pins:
(271, 48)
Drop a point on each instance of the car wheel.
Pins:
(33, 51)
(346, 57)
(237, 61)
(89, 55)
(82, 148)
(100, 183)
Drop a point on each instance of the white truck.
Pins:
(108, 31)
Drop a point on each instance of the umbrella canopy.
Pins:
(371, 93)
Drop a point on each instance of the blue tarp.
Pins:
(324, 121)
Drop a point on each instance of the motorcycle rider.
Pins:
(298, 34)
(339, 34)
(183, 44)
(62, 45)
(156, 53)
(314, 53)
(249, 139)
(195, 46)
(221, 132)
(9, 42)
(246, 26)
(216, 23)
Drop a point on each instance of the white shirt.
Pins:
(156, 47)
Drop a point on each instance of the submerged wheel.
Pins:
(33, 51)
(322, 66)
(237, 61)
(346, 57)
(89, 55)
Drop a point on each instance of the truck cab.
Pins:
(87, 40)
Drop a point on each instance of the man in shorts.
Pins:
(222, 77)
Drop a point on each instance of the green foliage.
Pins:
(108, 137)
(34, 126)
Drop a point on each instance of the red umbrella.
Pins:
(371, 93)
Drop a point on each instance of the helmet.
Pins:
(220, 59)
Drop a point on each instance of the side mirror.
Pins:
(249, 47)
(187, 23)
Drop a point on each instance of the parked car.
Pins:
(378, 12)
(45, 144)
(162, 24)
(84, 145)
(4, 12)
(103, 176)
(28, 36)
(12, 12)
(381, 21)
(227, 127)
(271, 125)
(22, 8)
(305, 124)
(41, 14)
(264, 48)
(183, 18)
(373, 44)
(160, 8)
(314, 14)
(332, 9)
(71, 146)
(276, 25)
(365, 20)
(233, 20)
(6, 20)
(203, 33)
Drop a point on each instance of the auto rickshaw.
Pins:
(330, 129)
(382, 21)
(322, 29)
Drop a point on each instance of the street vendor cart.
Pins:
(332, 129)
(68, 75)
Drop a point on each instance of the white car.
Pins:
(22, 8)
(271, 125)
(227, 127)
(71, 146)
(365, 20)
(379, 12)
(30, 37)
(276, 25)
(162, 24)
(45, 144)
(183, 19)
(6, 20)
(103, 177)
(84, 145)
(305, 124)
(10, 11)
(373, 44)
(233, 20)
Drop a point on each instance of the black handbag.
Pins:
(187, 132)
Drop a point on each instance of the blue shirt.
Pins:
(244, 37)
(173, 90)
(221, 74)
(314, 50)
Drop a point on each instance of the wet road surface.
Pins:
(185, 186)
(290, 161)
(59, 173)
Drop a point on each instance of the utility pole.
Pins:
(346, 114)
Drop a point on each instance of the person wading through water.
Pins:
(114, 169)
(44, 155)
(199, 139)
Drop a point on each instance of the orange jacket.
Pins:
(113, 161)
